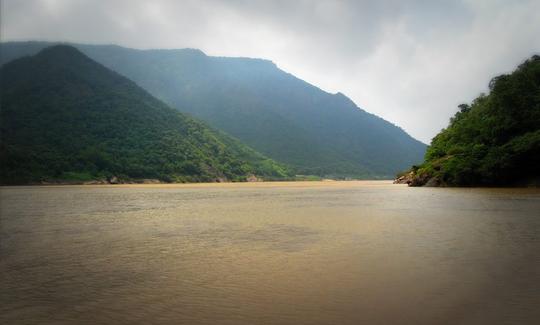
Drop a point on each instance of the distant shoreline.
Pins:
(289, 183)
(268, 184)
(260, 183)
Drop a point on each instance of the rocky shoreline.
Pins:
(110, 181)
(414, 180)
(114, 180)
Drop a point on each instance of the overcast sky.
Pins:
(410, 62)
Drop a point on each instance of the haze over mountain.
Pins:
(410, 62)
(66, 117)
(272, 111)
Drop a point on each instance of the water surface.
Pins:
(270, 253)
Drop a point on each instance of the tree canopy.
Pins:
(495, 140)
(66, 117)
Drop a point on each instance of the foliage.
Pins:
(66, 117)
(275, 113)
(496, 139)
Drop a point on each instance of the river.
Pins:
(269, 253)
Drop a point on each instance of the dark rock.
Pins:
(433, 182)
(420, 180)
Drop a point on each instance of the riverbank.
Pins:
(268, 184)
(414, 179)
(148, 181)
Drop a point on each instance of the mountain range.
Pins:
(66, 117)
(275, 113)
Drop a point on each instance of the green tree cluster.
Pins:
(495, 140)
(66, 117)
(270, 110)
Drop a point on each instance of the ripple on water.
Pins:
(299, 253)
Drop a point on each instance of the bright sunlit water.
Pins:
(270, 253)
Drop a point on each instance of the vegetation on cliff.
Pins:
(273, 112)
(494, 141)
(65, 117)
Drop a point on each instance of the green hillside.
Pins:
(493, 141)
(66, 117)
(272, 111)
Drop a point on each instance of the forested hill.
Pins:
(65, 117)
(272, 111)
(495, 140)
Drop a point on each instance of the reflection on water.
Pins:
(279, 253)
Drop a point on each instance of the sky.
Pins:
(410, 62)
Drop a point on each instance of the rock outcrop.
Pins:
(415, 180)
(405, 179)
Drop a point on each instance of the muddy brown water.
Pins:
(269, 253)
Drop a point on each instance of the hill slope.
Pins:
(493, 141)
(272, 111)
(64, 116)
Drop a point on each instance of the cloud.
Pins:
(410, 62)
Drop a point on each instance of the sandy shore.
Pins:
(324, 183)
